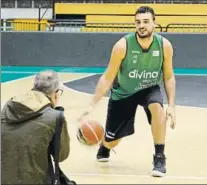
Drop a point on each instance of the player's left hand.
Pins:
(170, 112)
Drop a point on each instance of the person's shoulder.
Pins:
(166, 42)
(120, 44)
(51, 115)
(120, 47)
(167, 46)
(54, 112)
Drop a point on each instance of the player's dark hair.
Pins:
(146, 9)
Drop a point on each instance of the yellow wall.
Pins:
(162, 20)
(28, 24)
(94, 8)
(123, 13)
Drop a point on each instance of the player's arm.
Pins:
(168, 74)
(106, 80)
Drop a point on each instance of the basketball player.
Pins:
(139, 61)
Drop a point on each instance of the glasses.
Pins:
(59, 90)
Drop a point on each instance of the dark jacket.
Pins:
(27, 127)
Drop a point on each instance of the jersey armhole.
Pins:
(126, 49)
(120, 68)
(162, 46)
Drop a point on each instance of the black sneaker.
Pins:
(159, 169)
(103, 154)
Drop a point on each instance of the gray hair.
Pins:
(47, 82)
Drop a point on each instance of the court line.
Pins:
(91, 74)
(122, 175)
(190, 74)
(18, 72)
(138, 176)
(22, 78)
(34, 72)
(112, 175)
(71, 80)
(105, 97)
(76, 91)
(11, 81)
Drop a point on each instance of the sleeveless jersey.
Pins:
(140, 68)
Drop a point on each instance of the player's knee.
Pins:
(111, 144)
(155, 106)
(157, 112)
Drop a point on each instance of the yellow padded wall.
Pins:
(162, 20)
(90, 8)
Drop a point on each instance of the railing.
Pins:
(186, 27)
(80, 26)
(24, 26)
(49, 3)
(137, 1)
(94, 27)
(70, 26)
(26, 3)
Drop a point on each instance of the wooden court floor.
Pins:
(131, 163)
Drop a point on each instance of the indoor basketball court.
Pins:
(131, 160)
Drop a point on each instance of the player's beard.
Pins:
(148, 35)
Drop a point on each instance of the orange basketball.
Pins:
(90, 132)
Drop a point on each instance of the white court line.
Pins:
(190, 74)
(138, 176)
(23, 78)
(121, 175)
(105, 97)
(78, 79)
(76, 91)
(74, 79)
(112, 175)
(91, 74)
(19, 72)
(34, 72)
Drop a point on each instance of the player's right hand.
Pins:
(86, 111)
(170, 112)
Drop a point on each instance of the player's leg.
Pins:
(119, 123)
(153, 107)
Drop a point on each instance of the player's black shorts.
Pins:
(121, 113)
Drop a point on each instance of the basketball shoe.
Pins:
(103, 154)
(159, 162)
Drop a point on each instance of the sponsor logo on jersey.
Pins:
(156, 53)
(134, 51)
(143, 74)
(135, 57)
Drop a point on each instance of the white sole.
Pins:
(157, 174)
(103, 160)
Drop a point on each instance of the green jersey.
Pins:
(140, 68)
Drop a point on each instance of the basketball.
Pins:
(90, 132)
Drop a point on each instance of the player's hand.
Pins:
(170, 112)
(86, 111)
